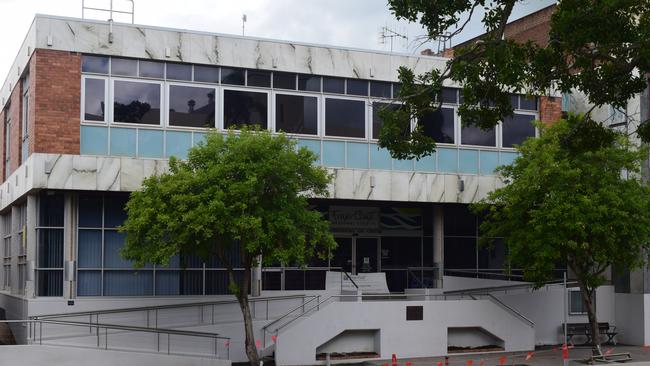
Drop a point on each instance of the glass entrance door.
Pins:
(366, 250)
(342, 257)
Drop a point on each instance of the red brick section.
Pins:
(13, 110)
(56, 81)
(550, 109)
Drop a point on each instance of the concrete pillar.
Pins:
(30, 231)
(438, 240)
(256, 278)
(69, 231)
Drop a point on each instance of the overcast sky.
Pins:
(351, 23)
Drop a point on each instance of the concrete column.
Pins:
(30, 231)
(438, 239)
(256, 278)
(69, 239)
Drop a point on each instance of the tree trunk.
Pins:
(242, 298)
(587, 300)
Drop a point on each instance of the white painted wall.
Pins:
(631, 318)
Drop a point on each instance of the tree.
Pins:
(597, 47)
(247, 193)
(567, 200)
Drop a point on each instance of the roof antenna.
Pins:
(243, 23)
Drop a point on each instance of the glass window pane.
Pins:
(296, 114)
(380, 89)
(459, 221)
(50, 283)
(113, 243)
(179, 71)
(439, 125)
(334, 154)
(284, 80)
(468, 161)
(206, 74)
(51, 209)
(128, 283)
(460, 253)
(528, 103)
(309, 83)
(245, 108)
(232, 76)
(259, 78)
(150, 143)
(357, 87)
(396, 89)
(447, 160)
(489, 162)
(90, 210)
(124, 66)
(313, 146)
(400, 252)
(123, 141)
(346, 118)
(178, 144)
(94, 99)
(152, 69)
(357, 155)
(449, 95)
(89, 283)
(333, 85)
(380, 158)
(426, 164)
(472, 135)
(50, 248)
(191, 106)
(89, 252)
(376, 119)
(114, 213)
(96, 64)
(135, 102)
(94, 140)
(516, 129)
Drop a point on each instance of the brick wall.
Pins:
(12, 109)
(550, 109)
(57, 90)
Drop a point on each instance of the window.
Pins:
(333, 85)
(296, 114)
(345, 118)
(357, 87)
(7, 141)
(380, 89)
(259, 78)
(25, 121)
(124, 66)
(576, 305)
(94, 64)
(136, 102)
(376, 118)
(206, 74)
(191, 106)
(439, 125)
(49, 255)
(449, 95)
(6, 253)
(309, 83)
(94, 99)
(233, 76)
(179, 71)
(527, 103)
(245, 108)
(284, 80)
(517, 129)
(152, 69)
(473, 135)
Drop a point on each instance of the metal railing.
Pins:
(102, 331)
(344, 275)
(206, 311)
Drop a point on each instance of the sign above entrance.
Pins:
(354, 219)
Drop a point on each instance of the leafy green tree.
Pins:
(244, 193)
(573, 195)
(600, 48)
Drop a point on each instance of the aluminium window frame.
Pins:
(107, 101)
(111, 96)
(319, 112)
(221, 110)
(167, 95)
(366, 100)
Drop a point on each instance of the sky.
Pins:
(349, 23)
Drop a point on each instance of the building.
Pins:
(90, 108)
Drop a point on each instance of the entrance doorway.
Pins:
(357, 254)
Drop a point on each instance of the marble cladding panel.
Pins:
(199, 47)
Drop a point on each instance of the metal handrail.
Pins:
(349, 278)
(169, 332)
(163, 307)
(506, 288)
(511, 309)
(290, 312)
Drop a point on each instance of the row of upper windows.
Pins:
(152, 103)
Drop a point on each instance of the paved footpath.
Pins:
(544, 356)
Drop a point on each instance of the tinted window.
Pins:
(96, 64)
(152, 69)
(179, 71)
(528, 103)
(514, 101)
(396, 89)
(190, 106)
(124, 66)
(283, 80)
(259, 78)
(380, 89)
(206, 74)
(244, 108)
(333, 85)
(472, 135)
(516, 129)
(449, 95)
(357, 87)
(309, 83)
(296, 114)
(459, 221)
(94, 100)
(376, 119)
(345, 118)
(136, 102)
(232, 76)
(439, 125)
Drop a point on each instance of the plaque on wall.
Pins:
(354, 219)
